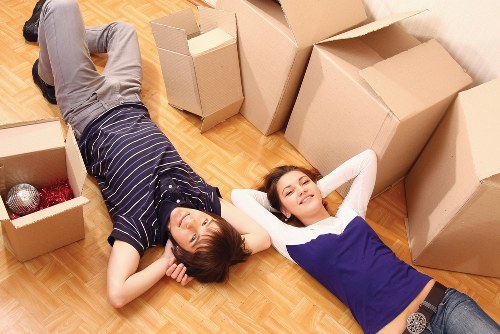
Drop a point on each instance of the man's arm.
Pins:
(256, 238)
(125, 283)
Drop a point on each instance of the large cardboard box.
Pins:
(200, 64)
(453, 190)
(36, 153)
(373, 87)
(275, 43)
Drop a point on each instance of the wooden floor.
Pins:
(64, 291)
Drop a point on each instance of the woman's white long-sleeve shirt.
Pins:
(362, 168)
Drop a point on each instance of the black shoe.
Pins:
(30, 28)
(48, 91)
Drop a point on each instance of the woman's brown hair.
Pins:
(270, 182)
(220, 249)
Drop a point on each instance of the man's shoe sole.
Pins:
(41, 84)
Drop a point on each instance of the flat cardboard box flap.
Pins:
(209, 41)
(409, 82)
(481, 111)
(178, 30)
(212, 18)
(373, 26)
(75, 166)
(452, 191)
(311, 23)
(35, 136)
(171, 32)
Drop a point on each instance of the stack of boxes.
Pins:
(275, 43)
(340, 86)
(373, 87)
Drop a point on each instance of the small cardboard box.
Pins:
(373, 87)
(200, 64)
(36, 153)
(453, 190)
(275, 43)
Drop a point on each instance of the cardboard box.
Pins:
(200, 64)
(453, 190)
(275, 43)
(36, 153)
(373, 87)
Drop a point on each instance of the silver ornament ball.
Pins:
(23, 199)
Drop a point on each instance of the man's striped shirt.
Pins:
(141, 176)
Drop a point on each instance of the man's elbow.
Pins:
(265, 242)
(268, 242)
(116, 298)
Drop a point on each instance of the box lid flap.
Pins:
(217, 117)
(77, 173)
(480, 106)
(25, 137)
(373, 26)
(416, 79)
(171, 32)
(312, 23)
(216, 18)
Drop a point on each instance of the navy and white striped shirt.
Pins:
(141, 176)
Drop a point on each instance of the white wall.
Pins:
(469, 30)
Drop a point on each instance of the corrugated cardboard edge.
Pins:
(373, 26)
(216, 18)
(23, 123)
(4, 216)
(3, 188)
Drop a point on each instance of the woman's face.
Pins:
(299, 195)
(189, 226)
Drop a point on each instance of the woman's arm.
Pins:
(256, 238)
(125, 283)
(255, 204)
(363, 169)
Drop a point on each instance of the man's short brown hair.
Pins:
(221, 248)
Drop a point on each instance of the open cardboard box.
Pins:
(453, 190)
(275, 43)
(200, 64)
(376, 87)
(36, 153)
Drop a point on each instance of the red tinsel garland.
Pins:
(52, 195)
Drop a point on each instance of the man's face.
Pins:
(189, 226)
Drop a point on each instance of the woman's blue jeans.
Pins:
(460, 314)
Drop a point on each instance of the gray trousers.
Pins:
(65, 46)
